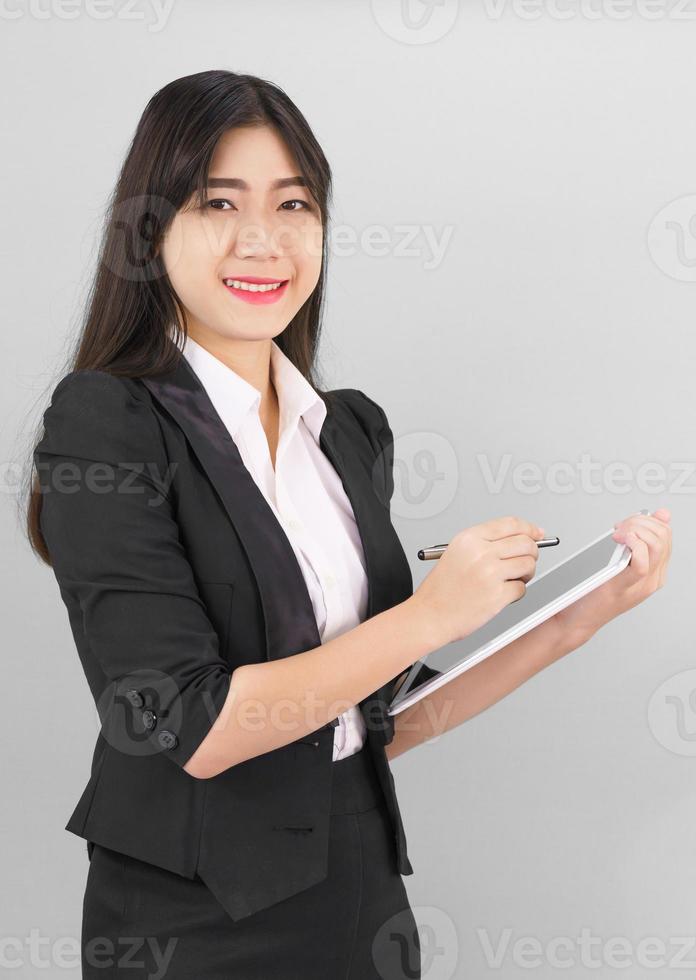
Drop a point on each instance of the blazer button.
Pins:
(135, 698)
(167, 739)
(149, 719)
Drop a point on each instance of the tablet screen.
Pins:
(544, 588)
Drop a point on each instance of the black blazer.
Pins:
(175, 571)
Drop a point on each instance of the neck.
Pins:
(250, 359)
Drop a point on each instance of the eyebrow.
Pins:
(239, 184)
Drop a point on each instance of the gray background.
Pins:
(558, 322)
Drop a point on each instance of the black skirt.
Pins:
(141, 921)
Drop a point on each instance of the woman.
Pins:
(219, 529)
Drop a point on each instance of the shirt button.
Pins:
(330, 580)
(167, 739)
(295, 525)
(135, 698)
(149, 719)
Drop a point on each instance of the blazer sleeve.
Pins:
(116, 552)
(382, 437)
(374, 421)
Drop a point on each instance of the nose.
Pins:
(255, 234)
(255, 239)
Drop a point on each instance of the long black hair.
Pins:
(134, 324)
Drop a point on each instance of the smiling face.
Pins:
(260, 224)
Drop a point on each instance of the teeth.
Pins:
(252, 287)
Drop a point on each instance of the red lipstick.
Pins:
(256, 297)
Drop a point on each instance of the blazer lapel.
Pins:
(288, 614)
(388, 572)
(290, 624)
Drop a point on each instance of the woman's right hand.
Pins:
(483, 569)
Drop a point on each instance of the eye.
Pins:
(297, 200)
(219, 200)
(218, 204)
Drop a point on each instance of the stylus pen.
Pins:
(426, 554)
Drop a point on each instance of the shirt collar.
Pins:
(233, 397)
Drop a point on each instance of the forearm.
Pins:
(480, 687)
(276, 702)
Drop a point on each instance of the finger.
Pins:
(646, 530)
(662, 514)
(502, 527)
(515, 545)
(516, 589)
(647, 520)
(639, 562)
(659, 553)
(655, 534)
(521, 567)
(654, 546)
(658, 540)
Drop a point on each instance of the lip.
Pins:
(257, 299)
(255, 280)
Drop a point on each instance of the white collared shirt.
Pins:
(304, 491)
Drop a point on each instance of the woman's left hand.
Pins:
(650, 539)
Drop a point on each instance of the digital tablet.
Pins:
(546, 594)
